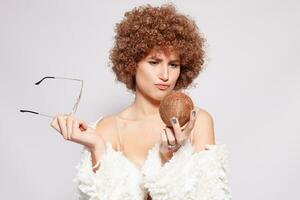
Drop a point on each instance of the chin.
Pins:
(161, 94)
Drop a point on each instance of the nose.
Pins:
(164, 74)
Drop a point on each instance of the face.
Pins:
(156, 74)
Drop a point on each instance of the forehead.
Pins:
(163, 53)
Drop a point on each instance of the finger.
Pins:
(54, 124)
(164, 139)
(172, 141)
(177, 130)
(69, 127)
(82, 124)
(75, 129)
(190, 125)
(183, 127)
(170, 137)
(62, 126)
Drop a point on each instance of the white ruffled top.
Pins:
(188, 175)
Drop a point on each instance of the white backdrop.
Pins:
(250, 87)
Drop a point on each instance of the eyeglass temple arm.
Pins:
(74, 79)
(53, 77)
(33, 112)
(77, 100)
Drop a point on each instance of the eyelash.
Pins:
(153, 63)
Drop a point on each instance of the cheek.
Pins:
(175, 76)
(144, 77)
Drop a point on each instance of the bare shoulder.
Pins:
(203, 115)
(106, 127)
(203, 129)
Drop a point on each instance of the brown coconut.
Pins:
(176, 104)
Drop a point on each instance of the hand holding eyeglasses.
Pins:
(68, 126)
(76, 130)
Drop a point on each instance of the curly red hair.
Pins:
(146, 28)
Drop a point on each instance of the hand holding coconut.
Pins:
(177, 112)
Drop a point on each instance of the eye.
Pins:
(175, 65)
(153, 62)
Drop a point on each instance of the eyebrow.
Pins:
(155, 58)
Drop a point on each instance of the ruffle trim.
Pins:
(190, 175)
(113, 173)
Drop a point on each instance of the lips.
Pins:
(162, 86)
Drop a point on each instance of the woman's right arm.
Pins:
(96, 157)
(94, 136)
(101, 182)
(91, 137)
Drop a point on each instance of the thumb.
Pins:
(83, 126)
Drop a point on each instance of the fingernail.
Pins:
(194, 113)
(174, 120)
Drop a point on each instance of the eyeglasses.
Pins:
(75, 105)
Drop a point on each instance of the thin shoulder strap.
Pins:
(120, 146)
(192, 133)
(93, 124)
(100, 118)
(191, 136)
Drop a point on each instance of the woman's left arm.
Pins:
(195, 171)
(203, 131)
(200, 130)
(210, 159)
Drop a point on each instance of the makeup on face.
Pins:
(166, 68)
(162, 86)
(157, 74)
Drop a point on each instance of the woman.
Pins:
(132, 154)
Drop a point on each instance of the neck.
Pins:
(144, 106)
